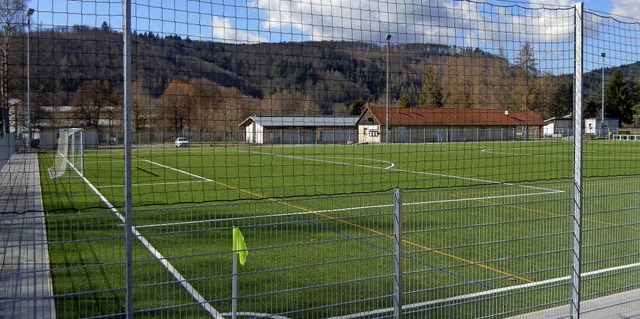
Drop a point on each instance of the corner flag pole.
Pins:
(234, 288)
(240, 252)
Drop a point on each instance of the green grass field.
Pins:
(318, 221)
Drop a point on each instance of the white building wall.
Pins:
(254, 133)
(594, 126)
(337, 136)
(248, 134)
(549, 129)
(369, 134)
(558, 128)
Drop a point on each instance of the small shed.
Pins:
(419, 125)
(598, 128)
(300, 129)
(558, 126)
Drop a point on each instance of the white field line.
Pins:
(256, 315)
(180, 171)
(483, 293)
(386, 310)
(391, 164)
(318, 212)
(560, 155)
(111, 161)
(391, 168)
(176, 274)
(149, 184)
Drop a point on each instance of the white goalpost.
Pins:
(70, 154)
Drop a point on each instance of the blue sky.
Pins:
(259, 20)
(502, 27)
(605, 5)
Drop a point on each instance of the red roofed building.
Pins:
(419, 125)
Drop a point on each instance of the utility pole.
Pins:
(602, 124)
(28, 97)
(387, 94)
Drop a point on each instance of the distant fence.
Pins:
(417, 225)
(299, 136)
(7, 147)
(625, 137)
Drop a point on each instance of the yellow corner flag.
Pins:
(239, 245)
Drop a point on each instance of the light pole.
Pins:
(602, 93)
(387, 94)
(28, 102)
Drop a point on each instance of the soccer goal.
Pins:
(70, 154)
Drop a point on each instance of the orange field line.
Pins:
(304, 209)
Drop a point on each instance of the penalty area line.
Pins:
(304, 158)
(392, 167)
(355, 225)
(150, 184)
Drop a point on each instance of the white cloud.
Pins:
(222, 29)
(426, 21)
(361, 20)
(625, 8)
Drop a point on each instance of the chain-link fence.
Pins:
(445, 159)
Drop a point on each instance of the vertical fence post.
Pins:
(126, 39)
(576, 243)
(397, 229)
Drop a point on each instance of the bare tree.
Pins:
(236, 107)
(289, 103)
(141, 107)
(524, 93)
(95, 101)
(176, 101)
(12, 14)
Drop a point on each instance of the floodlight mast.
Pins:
(388, 37)
(602, 124)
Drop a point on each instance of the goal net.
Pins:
(70, 154)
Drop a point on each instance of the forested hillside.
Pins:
(186, 83)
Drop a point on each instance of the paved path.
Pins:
(617, 306)
(25, 281)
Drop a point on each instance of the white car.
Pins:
(182, 142)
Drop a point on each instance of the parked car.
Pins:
(182, 142)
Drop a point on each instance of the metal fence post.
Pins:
(128, 231)
(397, 228)
(576, 243)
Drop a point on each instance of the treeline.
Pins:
(182, 84)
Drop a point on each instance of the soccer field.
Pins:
(212, 174)
(479, 220)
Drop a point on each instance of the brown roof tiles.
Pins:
(454, 117)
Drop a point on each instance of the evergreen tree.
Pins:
(356, 107)
(526, 60)
(432, 92)
(619, 98)
(404, 100)
(562, 99)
